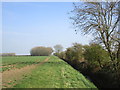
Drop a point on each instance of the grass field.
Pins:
(11, 62)
(53, 73)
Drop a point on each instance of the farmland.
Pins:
(11, 62)
(41, 72)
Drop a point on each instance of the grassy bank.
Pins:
(55, 73)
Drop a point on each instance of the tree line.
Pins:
(94, 62)
(101, 59)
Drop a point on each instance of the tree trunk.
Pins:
(100, 63)
(118, 53)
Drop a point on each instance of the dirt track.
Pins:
(8, 77)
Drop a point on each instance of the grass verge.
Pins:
(55, 73)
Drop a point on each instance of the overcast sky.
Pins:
(27, 25)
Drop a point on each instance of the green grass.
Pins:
(54, 74)
(10, 62)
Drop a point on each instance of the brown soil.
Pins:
(8, 66)
(9, 77)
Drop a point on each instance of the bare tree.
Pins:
(58, 48)
(101, 19)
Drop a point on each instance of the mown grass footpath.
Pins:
(55, 73)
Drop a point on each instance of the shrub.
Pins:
(7, 54)
(41, 51)
(61, 55)
(96, 55)
(113, 70)
(75, 52)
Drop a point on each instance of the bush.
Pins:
(93, 61)
(7, 54)
(112, 69)
(96, 55)
(70, 54)
(41, 51)
(75, 52)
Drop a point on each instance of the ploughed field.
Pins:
(40, 72)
